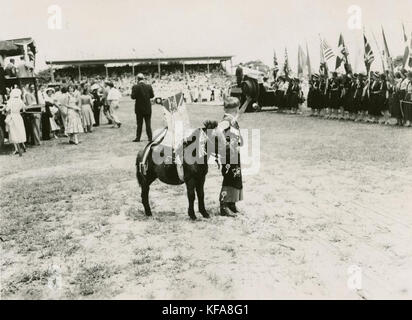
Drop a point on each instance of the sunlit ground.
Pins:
(329, 195)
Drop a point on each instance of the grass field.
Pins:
(328, 195)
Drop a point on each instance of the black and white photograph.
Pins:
(195, 150)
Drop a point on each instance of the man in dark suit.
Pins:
(142, 93)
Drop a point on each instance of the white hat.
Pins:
(15, 93)
(140, 76)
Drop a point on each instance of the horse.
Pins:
(194, 171)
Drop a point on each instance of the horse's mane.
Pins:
(209, 124)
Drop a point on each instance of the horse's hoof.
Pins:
(148, 214)
(192, 217)
(205, 214)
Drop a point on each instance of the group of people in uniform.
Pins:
(378, 98)
(288, 94)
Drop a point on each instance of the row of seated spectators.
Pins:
(196, 83)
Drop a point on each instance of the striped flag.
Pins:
(368, 56)
(323, 68)
(327, 51)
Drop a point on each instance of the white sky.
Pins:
(248, 29)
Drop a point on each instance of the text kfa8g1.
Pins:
(226, 309)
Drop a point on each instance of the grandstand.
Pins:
(151, 65)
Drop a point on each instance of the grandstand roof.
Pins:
(138, 60)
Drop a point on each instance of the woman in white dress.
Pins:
(14, 121)
(74, 121)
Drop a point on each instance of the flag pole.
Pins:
(366, 65)
(308, 61)
(380, 53)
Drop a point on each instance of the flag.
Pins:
(342, 56)
(327, 51)
(301, 61)
(409, 62)
(323, 68)
(406, 52)
(177, 120)
(308, 62)
(275, 61)
(368, 56)
(380, 52)
(173, 103)
(286, 68)
(386, 54)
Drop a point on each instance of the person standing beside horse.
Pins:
(232, 188)
(142, 93)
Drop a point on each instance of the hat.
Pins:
(140, 76)
(50, 89)
(15, 93)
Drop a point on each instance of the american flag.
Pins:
(327, 51)
(323, 68)
(368, 57)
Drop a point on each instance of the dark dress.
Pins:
(365, 100)
(45, 122)
(2, 81)
(294, 96)
(334, 94)
(322, 98)
(407, 106)
(376, 101)
(357, 97)
(347, 97)
(394, 102)
(311, 102)
(97, 105)
(232, 188)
